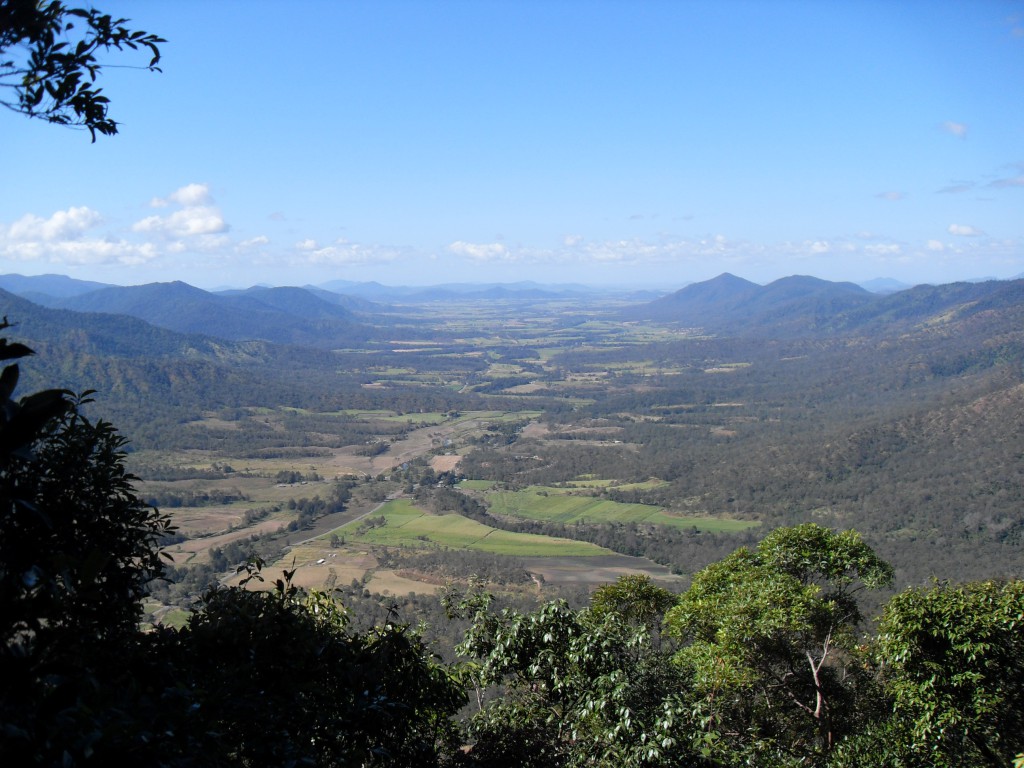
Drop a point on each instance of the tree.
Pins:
(771, 643)
(952, 659)
(578, 687)
(274, 677)
(49, 61)
(634, 599)
(77, 550)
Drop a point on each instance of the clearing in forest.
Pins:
(400, 523)
(563, 506)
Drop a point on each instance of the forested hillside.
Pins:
(808, 306)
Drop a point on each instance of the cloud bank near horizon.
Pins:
(188, 235)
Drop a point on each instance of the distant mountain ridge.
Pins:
(279, 315)
(791, 307)
(801, 305)
(39, 288)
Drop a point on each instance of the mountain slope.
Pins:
(45, 289)
(280, 315)
(807, 306)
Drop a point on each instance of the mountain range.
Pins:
(280, 315)
(808, 306)
(727, 305)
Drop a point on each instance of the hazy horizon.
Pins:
(607, 144)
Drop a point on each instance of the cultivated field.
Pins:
(408, 526)
(563, 506)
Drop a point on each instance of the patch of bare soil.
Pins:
(445, 463)
(535, 429)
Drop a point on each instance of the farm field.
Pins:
(405, 525)
(563, 506)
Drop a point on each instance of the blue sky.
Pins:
(607, 143)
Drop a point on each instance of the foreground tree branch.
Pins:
(49, 61)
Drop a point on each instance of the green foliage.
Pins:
(278, 680)
(80, 545)
(633, 599)
(50, 60)
(77, 550)
(771, 645)
(578, 688)
(22, 422)
(953, 660)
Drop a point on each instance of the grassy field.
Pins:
(476, 485)
(407, 525)
(558, 505)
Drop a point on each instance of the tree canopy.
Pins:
(50, 61)
(255, 676)
(953, 659)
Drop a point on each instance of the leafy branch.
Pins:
(49, 61)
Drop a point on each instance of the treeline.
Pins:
(193, 498)
(308, 510)
(170, 472)
(430, 613)
(759, 662)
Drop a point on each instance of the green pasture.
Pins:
(411, 527)
(559, 505)
(476, 485)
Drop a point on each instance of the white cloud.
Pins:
(935, 245)
(480, 251)
(62, 225)
(957, 129)
(80, 252)
(197, 216)
(964, 230)
(61, 240)
(614, 251)
(890, 195)
(571, 241)
(191, 195)
(342, 252)
(188, 222)
(188, 196)
(883, 249)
